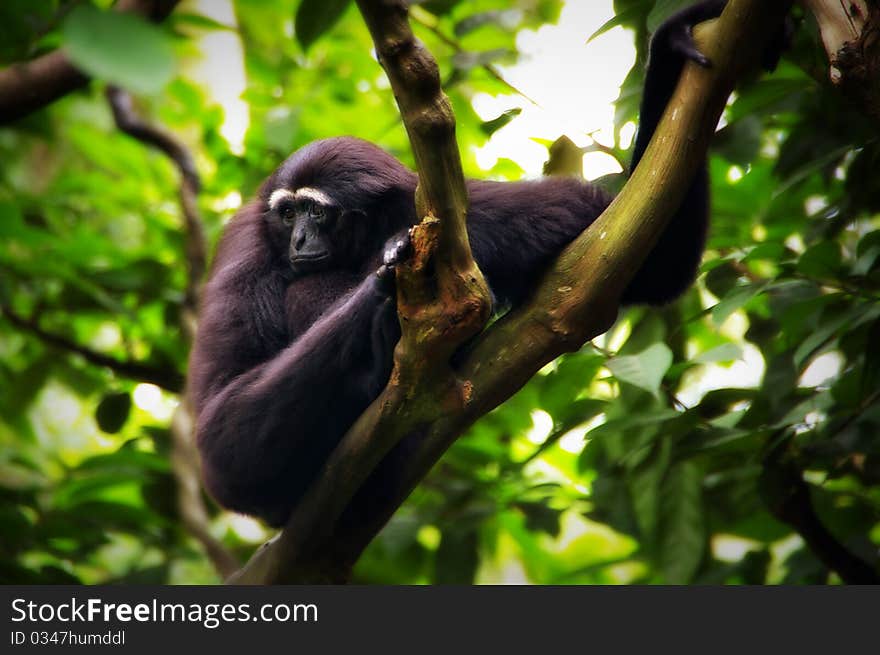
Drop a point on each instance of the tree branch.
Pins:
(194, 233)
(787, 496)
(442, 301)
(168, 379)
(851, 36)
(184, 455)
(576, 300)
(190, 499)
(28, 86)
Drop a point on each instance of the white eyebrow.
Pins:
(278, 195)
(316, 195)
(306, 192)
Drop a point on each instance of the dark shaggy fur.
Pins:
(285, 362)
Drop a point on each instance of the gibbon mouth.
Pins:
(309, 261)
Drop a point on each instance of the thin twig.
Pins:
(190, 499)
(195, 246)
(417, 17)
(166, 378)
(184, 455)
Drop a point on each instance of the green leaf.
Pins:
(774, 252)
(624, 18)
(491, 126)
(868, 254)
(722, 279)
(621, 438)
(112, 412)
(830, 330)
(719, 401)
(198, 21)
(820, 402)
(457, 558)
(683, 538)
(726, 352)
(768, 96)
(871, 371)
(540, 517)
(739, 142)
(847, 391)
(644, 370)
(644, 486)
(314, 17)
(120, 48)
(735, 299)
(821, 261)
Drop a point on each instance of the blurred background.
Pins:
(722, 439)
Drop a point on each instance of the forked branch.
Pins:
(576, 301)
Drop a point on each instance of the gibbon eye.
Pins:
(316, 210)
(287, 212)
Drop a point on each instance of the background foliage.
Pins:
(664, 452)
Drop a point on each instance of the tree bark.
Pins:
(851, 36)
